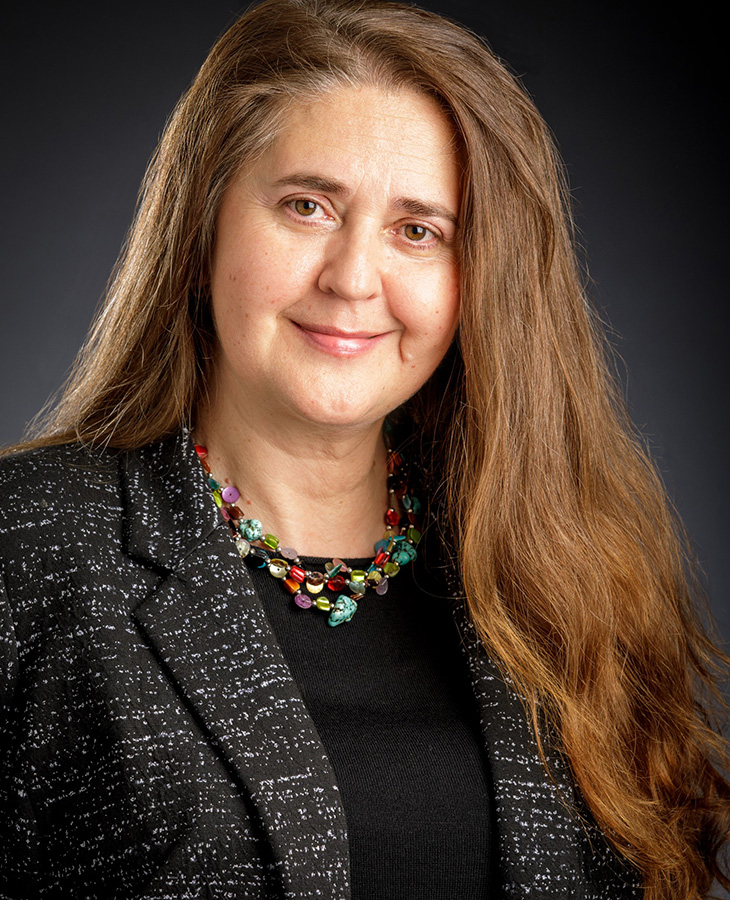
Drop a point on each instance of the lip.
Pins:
(338, 342)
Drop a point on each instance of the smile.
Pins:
(337, 342)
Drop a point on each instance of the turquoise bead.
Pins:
(213, 484)
(251, 529)
(404, 553)
(343, 610)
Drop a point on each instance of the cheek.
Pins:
(432, 314)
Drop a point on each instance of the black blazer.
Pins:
(154, 743)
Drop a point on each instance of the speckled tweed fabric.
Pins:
(154, 744)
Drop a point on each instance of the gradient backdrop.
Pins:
(634, 101)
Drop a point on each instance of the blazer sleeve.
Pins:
(8, 658)
(18, 841)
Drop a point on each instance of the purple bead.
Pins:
(303, 601)
(288, 552)
(230, 494)
(382, 586)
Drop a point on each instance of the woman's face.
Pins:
(335, 285)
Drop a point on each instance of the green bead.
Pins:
(357, 575)
(373, 577)
(218, 499)
(413, 534)
(271, 541)
(323, 603)
(391, 568)
(358, 587)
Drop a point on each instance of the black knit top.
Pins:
(389, 694)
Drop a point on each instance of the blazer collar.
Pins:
(208, 628)
(169, 509)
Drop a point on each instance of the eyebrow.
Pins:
(410, 205)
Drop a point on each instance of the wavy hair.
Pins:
(573, 566)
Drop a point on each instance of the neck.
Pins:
(320, 490)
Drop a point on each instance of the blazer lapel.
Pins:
(548, 846)
(210, 631)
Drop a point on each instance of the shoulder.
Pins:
(56, 485)
(60, 511)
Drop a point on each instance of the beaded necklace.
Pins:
(396, 549)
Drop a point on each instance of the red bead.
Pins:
(394, 462)
(291, 585)
(206, 467)
(235, 512)
(201, 451)
(392, 517)
(381, 558)
(337, 583)
(297, 573)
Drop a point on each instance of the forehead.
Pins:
(368, 136)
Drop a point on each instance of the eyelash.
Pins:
(426, 244)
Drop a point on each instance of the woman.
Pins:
(350, 294)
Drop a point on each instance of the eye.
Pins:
(416, 233)
(305, 208)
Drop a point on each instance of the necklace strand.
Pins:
(397, 548)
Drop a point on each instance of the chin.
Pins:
(341, 411)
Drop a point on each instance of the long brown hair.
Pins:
(572, 564)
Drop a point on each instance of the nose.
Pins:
(352, 268)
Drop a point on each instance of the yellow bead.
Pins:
(277, 567)
(315, 582)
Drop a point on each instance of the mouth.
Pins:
(337, 341)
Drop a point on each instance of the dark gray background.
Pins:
(634, 100)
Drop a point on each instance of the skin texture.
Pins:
(335, 292)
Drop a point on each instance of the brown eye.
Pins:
(415, 232)
(305, 207)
